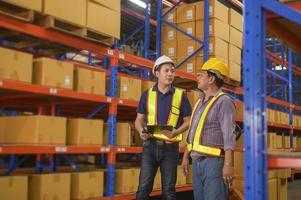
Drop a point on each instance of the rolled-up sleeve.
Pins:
(227, 122)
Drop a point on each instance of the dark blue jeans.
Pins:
(165, 156)
(207, 179)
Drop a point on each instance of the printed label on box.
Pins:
(210, 48)
(210, 10)
(125, 88)
(170, 35)
(171, 51)
(189, 30)
(189, 14)
(67, 80)
(170, 17)
(210, 29)
(190, 50)
(189, 67)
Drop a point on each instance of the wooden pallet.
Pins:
(232, 82)
(16, 11)
(54, 23)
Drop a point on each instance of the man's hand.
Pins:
(228, 173)
(185, 165)
(144, 134)
(170, 134)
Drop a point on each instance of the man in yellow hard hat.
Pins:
(166, 109)
(211, 135)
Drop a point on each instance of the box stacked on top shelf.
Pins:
(225, 36)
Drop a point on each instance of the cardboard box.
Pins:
(240, 142)
(272, 187)
(53, 73)
(271, 117)
(189, 66)
(147, 85)
(190, 175)
(112, 4)
(185, 48)
(217, 28)
(84, 132)
(170, 49)
(15, 65)
(103, 20)
(235, 37)
(181, 178)
(216, 10)
(125, 134)
(186, 13)
(238, 163)
(57, 8)
(189, 28)
(157, 181)
(272, 140)
(127, 180)
(29, 4)
(234, 71)
(282, 188)
(13, 187)
(89, 81)
(235, 20)
(171, 17)
(129, 88)
(34, 130)
(169, 34)
(234, 54)
(239, 111)
(193, 96)
(218, 48)
(278, 141)
(86, 185)
(49, 186)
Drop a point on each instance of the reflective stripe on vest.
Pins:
(173, 116)
(196, 144)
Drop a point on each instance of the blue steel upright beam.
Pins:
(158, 28)
(147, 28)
(290, 95)
(255, 128)
(206, 30)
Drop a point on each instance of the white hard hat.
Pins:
(162, 60)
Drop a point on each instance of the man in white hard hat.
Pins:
(211, 135)
(168, 106)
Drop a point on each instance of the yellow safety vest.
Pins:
(173, 116)
(196, 142)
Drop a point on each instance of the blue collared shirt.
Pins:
(164, 104)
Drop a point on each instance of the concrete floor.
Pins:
(294, 190)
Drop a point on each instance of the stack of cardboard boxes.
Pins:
(225, 36)
(92, 14)
(62, 186)
(277, 179)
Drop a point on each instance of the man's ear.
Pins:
(212, 79)
(157, 73)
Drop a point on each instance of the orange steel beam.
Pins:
(284, 162)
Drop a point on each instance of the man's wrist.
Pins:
(228, 164)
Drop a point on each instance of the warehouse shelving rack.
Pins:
(59, 96)
(255, 126)
(111, 101)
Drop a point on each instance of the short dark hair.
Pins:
(218, 82)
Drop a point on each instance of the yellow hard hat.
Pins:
(216, 65)
(162, 60)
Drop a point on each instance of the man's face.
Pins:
(166, 74)
(204, 80)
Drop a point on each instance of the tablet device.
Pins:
(152, 128)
